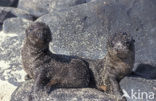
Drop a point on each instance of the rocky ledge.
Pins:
(24, 93)
(134, 89)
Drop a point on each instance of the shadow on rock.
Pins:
(146, 71)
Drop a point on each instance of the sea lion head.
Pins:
(38, 34)
(120, 44)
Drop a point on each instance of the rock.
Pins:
(6, 90)
(8, 12)
(80, 94)
(16, 25)
(10, 46)
(40, 7)
(10, 3)
(0, 27)
(11, 68)
(88, 0)
(134, 89)
(147, 71)
(11, 72)
(139, 89)
(82, 30)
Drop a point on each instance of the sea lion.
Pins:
(49, 69)
(117, 63)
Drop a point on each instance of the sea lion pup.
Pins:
(118, 63)
(48, 69)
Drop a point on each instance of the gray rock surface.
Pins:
(133, 88)
(12, 3)
(41, 7)
(11, 72)
(0, 27)
(81, 94)
(83, 30)
(10, 47)
(146, 71)
(16, 25)
(139, 89)
(9, 12)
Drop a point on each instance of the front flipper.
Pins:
(116, 90)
